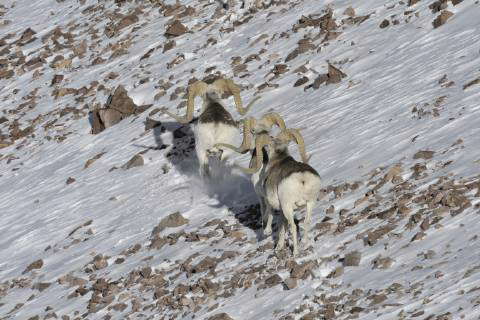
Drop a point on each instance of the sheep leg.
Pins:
(269, 215)
(203, 162)
(288, 213)
(281, 236)
(307, 223)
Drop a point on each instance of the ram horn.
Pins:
(247, 138)
(260, 142)
(198, 88)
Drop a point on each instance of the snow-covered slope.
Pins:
(396, 142)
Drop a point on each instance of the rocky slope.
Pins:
(102, 213)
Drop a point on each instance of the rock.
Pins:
(382, 262)
(38, 264)
(40, 286)
(290, 283)
(337, 272)
(466, 86)
(385, 23)
(442, 18)
(135, 161)
(92, 160)
(412, 2)
(100, 262)
(171, 221)
(221, 316)
(70, 180)
(146, 272)
(273, 280)
(334, 75)
(118, 106)
(175, 29)
(6, 74)
(419, 236)
(349, 12)
(151, 123)
(170, 44)
(208, 263)
(126, 21)
(57, 79)
(119, 307)
(377, 298)
(301, 81)
(424, 154)
(352, 259)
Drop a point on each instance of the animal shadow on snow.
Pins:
(227, 187)
(181, 150)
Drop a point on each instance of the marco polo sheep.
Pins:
(215, 124)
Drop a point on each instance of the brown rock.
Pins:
(385, 23)
(335, 75)
(38, 264)
(176, 29)
(466, 86)
(6, 74)
(221, 316)
(57, 79)
(171, 221)
(442, 18)
(170, 44)
(40, 286)
(424, 154)
(382, 262)
(135, 161)
(70, 180)
(377, 298)
(337, 272)
(126, 21)
(273, 280)
(290, 283)
(208, 263)
(92, 160)
(352, 259)
(301, 81)
(419, 236)
(412, 2)
(100, 262)
(349, 12)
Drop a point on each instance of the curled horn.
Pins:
(248, 123)
(271, 118)
(260, 142)
(227, 85)
(196, 89)
(294, 134)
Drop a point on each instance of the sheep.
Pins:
(201, 88)
(284, 183)
(251, 127)
(215, 124)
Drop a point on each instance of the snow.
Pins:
(351, 128)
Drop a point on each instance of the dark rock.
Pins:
(385, 23)
(273, 280)
(301, 81)
(221, 316)
(352, 259)
(442, 18)
(171, 221)
(70, 180)
(135, 161)
(176, 29)
(424, 155)
(38, 264)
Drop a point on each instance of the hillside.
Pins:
(118, 224)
